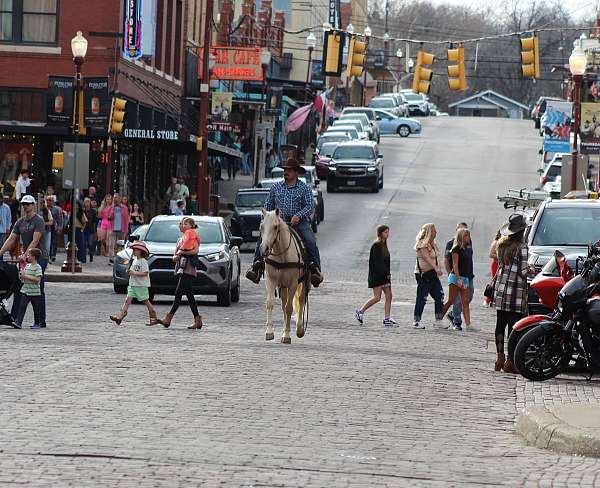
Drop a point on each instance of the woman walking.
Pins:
(186, 260)
(136, 218)
(427, 274)
(379, 277)
(510, 289)
(89, 232)
(103, 213)
(458, 278)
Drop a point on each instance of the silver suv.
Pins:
(369, 112)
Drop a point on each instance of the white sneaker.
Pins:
(418, 325)
(359, 316)
(390, 322)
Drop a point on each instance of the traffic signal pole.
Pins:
(203, 181)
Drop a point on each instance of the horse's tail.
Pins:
(299, 302)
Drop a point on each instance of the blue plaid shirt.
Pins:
(291, 200)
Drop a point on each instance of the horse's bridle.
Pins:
(283, 222)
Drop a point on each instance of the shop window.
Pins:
(24, 106)
(28, 21)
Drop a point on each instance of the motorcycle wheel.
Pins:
(513, 339)
(539, 354)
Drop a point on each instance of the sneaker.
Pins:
(390, 322)
(35, 326)
(16, 326)
(418, 325)
(450, 318)
(457, 327)
(358, 315)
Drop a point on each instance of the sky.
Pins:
(579, 8)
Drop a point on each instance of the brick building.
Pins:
(35, 41)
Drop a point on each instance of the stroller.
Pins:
(9, 284)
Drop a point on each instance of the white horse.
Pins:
(284, 271)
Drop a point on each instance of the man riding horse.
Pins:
(295, 202)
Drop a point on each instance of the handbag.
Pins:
(490, 289)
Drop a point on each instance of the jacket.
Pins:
(379, 266)
(510, 291)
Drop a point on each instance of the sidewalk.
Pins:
(228, 188)
(98, 271)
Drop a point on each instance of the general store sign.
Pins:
(159, 135)
(235, 63)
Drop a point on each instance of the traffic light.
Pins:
(356, 57)
(117, 116)
(333, 53)
(422, 76)
(457, 79)
(530, 57)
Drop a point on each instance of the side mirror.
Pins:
(231, 206)
(236, 241)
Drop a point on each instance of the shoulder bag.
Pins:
(428, 276)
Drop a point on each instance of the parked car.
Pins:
(390, 124)
(417, 104)
(553, 188)
(551, 171)
(539, 109)
(219, 259)
(323, 158)
(401, 101)
(357, 124)
(369, 113)
(247, 214)
(312, 180)
(344, 129)
(137, 235)
(356, 164)
(327, 137)
(365, 121)
(387, 103)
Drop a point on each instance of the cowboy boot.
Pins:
(256, 271)
(508, 367)
(117, 319)
(197, 322)
(166, 322)
(316, 277)
(500, 359)
(153, 320)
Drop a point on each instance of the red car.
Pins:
(323, 158)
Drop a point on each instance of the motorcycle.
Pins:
(547, 349)
(546, 285)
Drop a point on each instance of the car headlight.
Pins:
(216, 256)
(332, 167)
(372, 168)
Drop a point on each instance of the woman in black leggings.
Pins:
(185, 259)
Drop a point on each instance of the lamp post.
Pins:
(311, 42)
(368, 33)
(399, 58)
(79, 45)
(265, 61)
(577, 66)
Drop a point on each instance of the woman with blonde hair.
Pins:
(458, 278)
(380, 279)
(103, 213)
(427, 274)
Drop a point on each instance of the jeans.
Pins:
(53, 244)
(246, 164)
(47, 243)
(37, 305)
(89, 239)
(303, 228)
(81, 245)
(457, 305)
(429, 287)
(3, 238)
(17, 297)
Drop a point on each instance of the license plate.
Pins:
(255, 233)
(351, 183)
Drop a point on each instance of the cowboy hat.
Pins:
(294, 164)
(516, 223)
(140, 246)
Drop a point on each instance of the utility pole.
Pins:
(203, 182)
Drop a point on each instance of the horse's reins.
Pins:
(284, 265)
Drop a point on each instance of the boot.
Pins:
(508, 367)
(197, 322)
(256, 271)
(117, 319)
(500, 358)
(153, 320)
(166, 322)
(316, 277)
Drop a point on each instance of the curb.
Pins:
(540, 427)
(77, 278)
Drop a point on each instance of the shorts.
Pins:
(140, 293)
(453, 281)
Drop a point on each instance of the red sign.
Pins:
(234, 63)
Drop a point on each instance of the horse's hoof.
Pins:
(269, 336)
(286, 340)
(300, 333)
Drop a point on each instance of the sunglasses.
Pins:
(26, 203)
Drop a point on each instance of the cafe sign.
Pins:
(236, 63)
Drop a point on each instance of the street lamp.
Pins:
(311, 42)
(399, 57)
(368, 33)
(79, 45)
(265, 61)
(577, 67)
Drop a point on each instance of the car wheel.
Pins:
(322, 213)
(235, 292)
(381, 182)
(403, 130)
(375, 188)
(224, 297)
(120, 289)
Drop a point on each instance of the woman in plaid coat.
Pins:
(510, 289)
